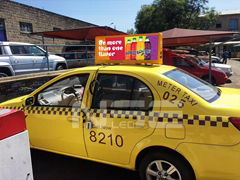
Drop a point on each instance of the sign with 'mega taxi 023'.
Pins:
(129, 49)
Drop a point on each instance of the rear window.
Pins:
(196, 85)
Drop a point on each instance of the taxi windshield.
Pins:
(198, 86)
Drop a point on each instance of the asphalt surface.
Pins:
(235, 63)
(51, 166)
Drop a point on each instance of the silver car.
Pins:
(21, 58)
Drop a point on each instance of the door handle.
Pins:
(73, 120)
(89, 123)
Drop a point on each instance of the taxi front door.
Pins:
(55, 121)
(120, 116)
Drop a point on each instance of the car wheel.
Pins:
(60, 67)
(165, 166)
(3, 75)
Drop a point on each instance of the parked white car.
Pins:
(22, 58)
(224, 67)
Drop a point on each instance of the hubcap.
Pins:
(60, 68)
(162, 170)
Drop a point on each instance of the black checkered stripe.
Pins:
(52, 110)
(123, 114)
(12, 107)
(199, 120)
(48, 110)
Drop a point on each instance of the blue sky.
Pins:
(121, 13)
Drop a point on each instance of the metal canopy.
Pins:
(188, 37)
(84, 33)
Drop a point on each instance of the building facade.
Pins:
(229, 20)
(18, 21)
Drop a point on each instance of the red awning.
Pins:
(181, 37)
(84, 33)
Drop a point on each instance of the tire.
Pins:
(170, 166)
(3, 75)
(60, 67)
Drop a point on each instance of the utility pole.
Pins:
(210, 60)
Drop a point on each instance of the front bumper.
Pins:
(223, 80)
(212, 161)
(229, 74)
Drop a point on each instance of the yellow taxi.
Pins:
(158, 120)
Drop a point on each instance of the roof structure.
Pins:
(229, 12)
(83, 33)
(183, 37)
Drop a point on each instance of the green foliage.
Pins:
(167, 14)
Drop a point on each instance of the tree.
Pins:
(167, 14)
(131, 31)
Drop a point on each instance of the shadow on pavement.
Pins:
(50, 166)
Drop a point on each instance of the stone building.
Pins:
(18, 21)
(229, 20)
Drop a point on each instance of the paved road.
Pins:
(50, 166)
(236, 73)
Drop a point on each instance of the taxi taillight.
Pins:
(235, 121)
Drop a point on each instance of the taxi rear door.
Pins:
(121, 114)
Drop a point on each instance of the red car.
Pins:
(186, 63)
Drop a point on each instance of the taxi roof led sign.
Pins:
(129, 49)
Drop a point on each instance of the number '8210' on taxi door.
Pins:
(158, 120)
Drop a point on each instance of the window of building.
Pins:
(3, 35)
(26, 27)
(233, 24)
(57, 29)
(2, 24)
(121, 92)
(218, 24)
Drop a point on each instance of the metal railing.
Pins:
(76, 55)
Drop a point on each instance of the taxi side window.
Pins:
(121, 92)
(66, 92)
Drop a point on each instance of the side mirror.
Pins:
(30, 101)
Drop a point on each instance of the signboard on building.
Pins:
(129, 49)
